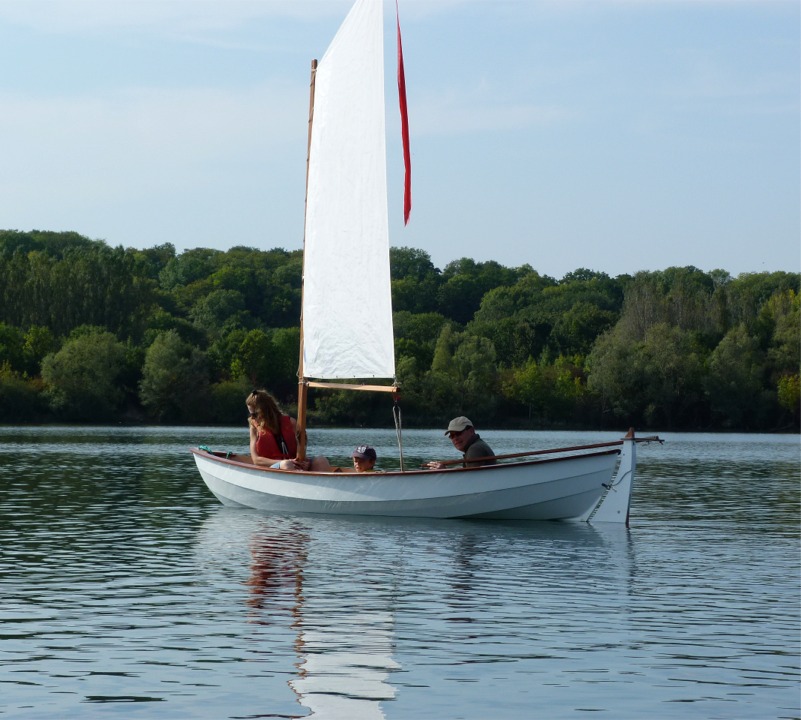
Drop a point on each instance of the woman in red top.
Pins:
(274, 436)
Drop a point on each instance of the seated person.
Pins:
(364, 459)
(465, 439)
(274, 436)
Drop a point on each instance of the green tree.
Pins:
(671, 363)
(71, 281)
(576, 329)
(782, 313)
(463, 373)
(253, 359)
(39, 341)
(280, 290)
(511, 317)
(736, 379)
(551, 392)
(415, 281)
(611, 376)
(188, 268)
(416, 335)
(465, 282)
(682, 297)
(175, 385)
(227, 403)
(220, 311)
(285, 359)
(475, 370)
(656, 381)
(747, 294)
(789, 393)
(12, 342)
(83, 377)
(527, 386)
(21, 398)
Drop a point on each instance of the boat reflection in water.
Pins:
(344, 626)
(327, 611)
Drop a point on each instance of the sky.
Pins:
(612, 135)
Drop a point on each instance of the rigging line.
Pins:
(396, 416)
(612, 485)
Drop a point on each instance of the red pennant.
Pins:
(407, 158)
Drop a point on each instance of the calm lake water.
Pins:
(128, 591)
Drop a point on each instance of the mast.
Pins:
(302, 384)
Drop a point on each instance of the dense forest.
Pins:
(94, 333)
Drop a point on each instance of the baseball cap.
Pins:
(458, 424)
(364, 451)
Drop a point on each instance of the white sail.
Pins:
(347, 307)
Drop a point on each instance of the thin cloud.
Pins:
(190, 16)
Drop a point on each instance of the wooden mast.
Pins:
(302, 384)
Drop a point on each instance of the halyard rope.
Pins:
(396, 415)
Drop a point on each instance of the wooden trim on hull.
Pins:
(218, 456)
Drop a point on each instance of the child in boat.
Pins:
(364, 459)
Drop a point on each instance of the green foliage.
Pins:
(82, 378)
(553, 393)
(576, 329)
(268, 359)
(252, 359)
(463, 375)
(653, 382)
(227, 403)
(219, 311)
(284, 361)
(415, 281)
(789, 394)
(465, 282)
(87, 283)
(782, 313)
(12, 352)
(353, 409)
(735, 379)
(94, 333)
(188, 268)
(21, 398)
(538, 316)
(175, 386)
(39, 341)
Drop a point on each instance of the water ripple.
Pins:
(128, 590)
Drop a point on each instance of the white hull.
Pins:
(574, 487)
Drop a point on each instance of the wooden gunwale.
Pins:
(219, 456)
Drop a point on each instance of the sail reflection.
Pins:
(344, 631)
(343, 670)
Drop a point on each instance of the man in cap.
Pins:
(465, 439)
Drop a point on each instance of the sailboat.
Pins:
(347, 333)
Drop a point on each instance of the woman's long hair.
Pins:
(265, 406)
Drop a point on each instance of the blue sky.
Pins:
(614, 135)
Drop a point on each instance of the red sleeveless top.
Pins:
(267, 445)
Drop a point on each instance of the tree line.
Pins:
(94, 333)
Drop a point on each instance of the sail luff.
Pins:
(302, 387)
